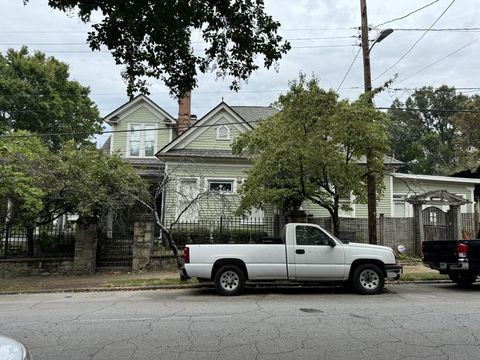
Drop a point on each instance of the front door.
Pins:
(315, 258)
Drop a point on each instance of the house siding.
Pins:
(416, 187)
(212, 206)
(140, 116)
(208, 139)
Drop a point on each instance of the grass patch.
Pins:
(406, 259)
(148, 282)
(9, 288)
(423, 276)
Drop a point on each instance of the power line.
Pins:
(439, 60)
(430, 110)
(472, 29)
(212, 125)
(196, 50)
(407, 15)
(349, 68)
(416, 42)
(193, 42)
(121, 131)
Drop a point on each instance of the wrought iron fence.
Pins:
(44, 241)
(224, 230)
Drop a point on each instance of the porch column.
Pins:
(457, 221)
(418, 223)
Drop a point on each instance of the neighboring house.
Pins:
(140, 128)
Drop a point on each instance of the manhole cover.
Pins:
(311, 310)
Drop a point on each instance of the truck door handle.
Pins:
(300, 251)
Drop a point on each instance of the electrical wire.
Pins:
(439, 60)
(349, 68)
(407, 15)
(210, 125)
(416, 42)
(472, 29)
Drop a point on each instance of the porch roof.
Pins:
(437, 197)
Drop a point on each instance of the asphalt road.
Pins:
(431, 321)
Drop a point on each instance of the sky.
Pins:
(315, 28)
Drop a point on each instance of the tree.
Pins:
(430, 136)
(310, 150)
(153, 38)
(36, 95)
(42, 185)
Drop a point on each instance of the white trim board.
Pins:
(436, 178)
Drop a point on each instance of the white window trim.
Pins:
(351, 202)
(142, 140)
(219, 179)
(177, 200)
(218, 133)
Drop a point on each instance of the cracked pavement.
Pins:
(408, 321)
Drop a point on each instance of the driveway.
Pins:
(408, 321)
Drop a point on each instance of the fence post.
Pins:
(382, 229)
(143, 232)
(7, 235)
(221, 227)
(85, 257)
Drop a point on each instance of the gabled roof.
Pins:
(387, 160)
(438, 197)
(116, 115)
(200, 126)
(254, 114)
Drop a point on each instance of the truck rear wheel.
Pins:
(368, 279)
(229, 280)
(463, 280)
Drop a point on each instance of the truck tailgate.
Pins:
(440, 251)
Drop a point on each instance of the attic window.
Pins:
(223, 133)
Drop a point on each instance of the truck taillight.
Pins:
(186, 255)
(462, 250)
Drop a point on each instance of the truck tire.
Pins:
(368, 279)
(463, 280)
(229, 280)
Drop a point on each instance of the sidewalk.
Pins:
(105, 281)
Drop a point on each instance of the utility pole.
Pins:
(367, 78)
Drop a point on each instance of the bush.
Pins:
(238, 236)
(191, 236)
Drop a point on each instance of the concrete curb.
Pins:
(176, 287)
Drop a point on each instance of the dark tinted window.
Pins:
(309, 235)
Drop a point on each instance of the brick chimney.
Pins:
(184, 112)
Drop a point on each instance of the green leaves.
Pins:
(309, 151)
(153, 38)
(431, 137)
(36, 95)
(42, 184)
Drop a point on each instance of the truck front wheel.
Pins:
(463, 280)
(229, 280)
(368, 279)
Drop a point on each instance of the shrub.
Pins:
(191, 236)
(238, 236)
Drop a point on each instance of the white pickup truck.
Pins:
(305, 253)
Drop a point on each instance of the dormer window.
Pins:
(141, 140)
(223, 133)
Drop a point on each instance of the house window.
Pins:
(187, 206)
(221, 185)
(142, 140)
(223, 133)
(254, 217)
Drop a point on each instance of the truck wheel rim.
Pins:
(229, 280)
(369, 279)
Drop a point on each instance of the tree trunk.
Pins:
(336, 223)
